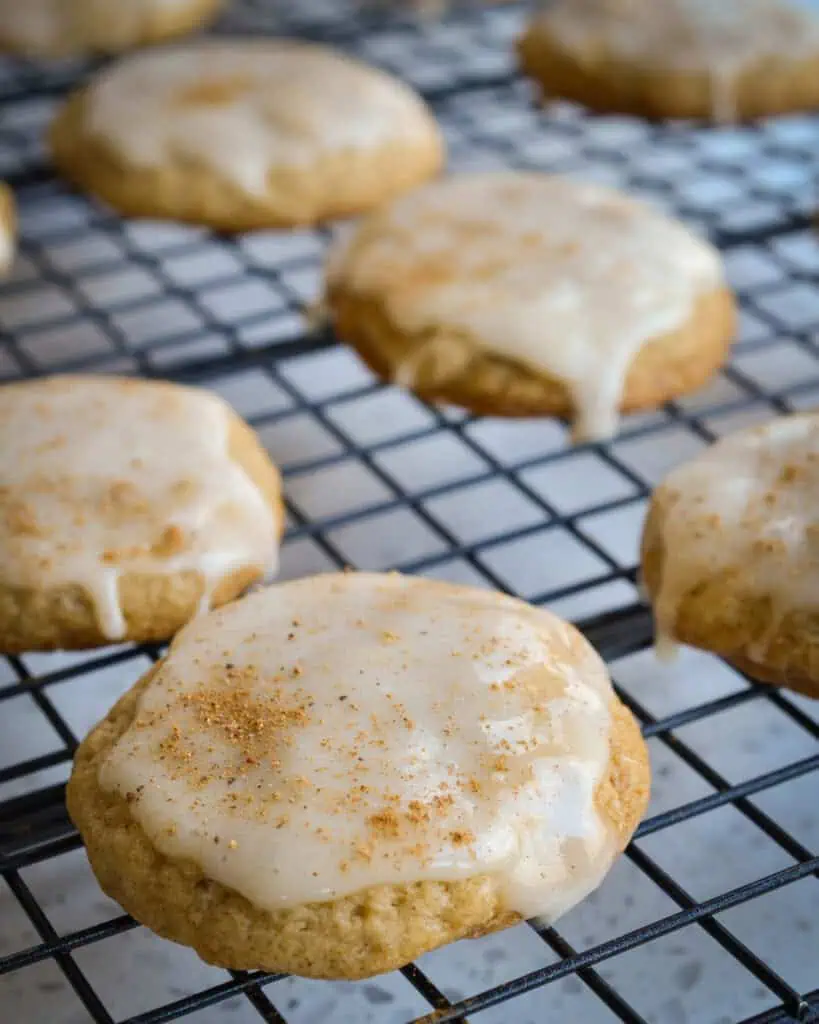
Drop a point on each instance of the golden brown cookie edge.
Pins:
(367, 933)
(722, 617)
(346, 183)
(155, 605)
(8, 218)
(665, 368)
(610, 84)
(161, 27)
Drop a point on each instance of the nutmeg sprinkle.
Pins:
(101, 477)
(340, 783)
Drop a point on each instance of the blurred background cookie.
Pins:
(519, 294)
(731, 552)
(8, 228)
(335, 775)
(239, 134)
(720, 59)
(62, 28)
(127, 507)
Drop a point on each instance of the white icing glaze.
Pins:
(100, 477)
(569, 279)
(63, 26)
(748, 504)
(721, 38)
(245, 107)
(344, 731)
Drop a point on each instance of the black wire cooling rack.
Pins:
(712, 914)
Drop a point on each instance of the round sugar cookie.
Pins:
(719, 59)
(126, 507)
(240, 134)
(519, 294)
(8, 228)
(62, 28)
(335, 775)
(731, 552)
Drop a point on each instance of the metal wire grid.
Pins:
(376, 479)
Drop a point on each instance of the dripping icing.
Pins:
(569, 279)
(360, 730)
(105, 477)
(749, 501)
(721, 38)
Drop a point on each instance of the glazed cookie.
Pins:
(8, 228)
(333, 776)
(60, 28)
(524, 294)
(719, 59)
(242, 134)
(731, 552)
(125, 508)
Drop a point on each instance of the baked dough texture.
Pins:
(724, 60)
(64, 28)
(117, 528)
(374, 927)
(8, 228)
(241, 134)
(730, 553)
(517, 294)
